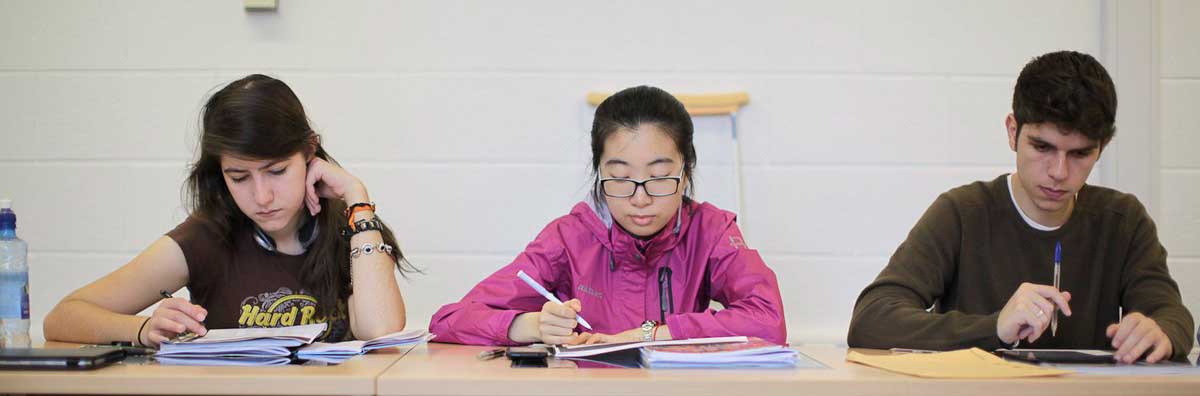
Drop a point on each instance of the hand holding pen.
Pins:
(1033, 308)
(557, 319)
(174, 316)
(1057, 286)
(1027, 314)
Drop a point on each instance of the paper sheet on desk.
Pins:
(222, 361)
(335, 353)
(1139, 369)
(249, 342)
(966, 363)
(755, 353)
(305, 334)
(577, 351)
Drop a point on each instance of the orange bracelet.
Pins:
(654, 333)
(358, 207)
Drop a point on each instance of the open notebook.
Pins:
(274, 346)
(249, 346)
(340, 351)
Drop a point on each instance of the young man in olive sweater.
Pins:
(977, 270)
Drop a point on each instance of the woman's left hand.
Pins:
(601, 338)
(326, 180)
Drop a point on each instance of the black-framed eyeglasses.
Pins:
(619, 187)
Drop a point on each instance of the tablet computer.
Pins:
(59, 359)
(1088, 356)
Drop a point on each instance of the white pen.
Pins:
(545, 293)
(1057, 287)
(908, 350)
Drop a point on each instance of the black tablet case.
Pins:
(59, 359)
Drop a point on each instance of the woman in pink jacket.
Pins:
(639, 261)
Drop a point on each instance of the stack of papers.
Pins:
(239, 347)
(966, 363)
(579, 351)
(756, 353)
(690, 353)
(223, 361)
(335, 353)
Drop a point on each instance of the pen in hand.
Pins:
(1057, 287)
(185, 336)
(545, 293)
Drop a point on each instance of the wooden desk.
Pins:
(354, 377)
(442, 369)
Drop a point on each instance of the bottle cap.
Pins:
(8, 219)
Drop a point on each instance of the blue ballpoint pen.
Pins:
(545, 293)
(1057, 264)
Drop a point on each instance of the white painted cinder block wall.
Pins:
(467, 120)
(1178, 176)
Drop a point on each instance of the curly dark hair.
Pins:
(1069, 89)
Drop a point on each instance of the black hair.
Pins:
(1069, 89)
(259, 117)
(632, 107)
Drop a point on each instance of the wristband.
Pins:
(362, 226)
(139, 333)
(355, 208)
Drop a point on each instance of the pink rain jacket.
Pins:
(616, 278)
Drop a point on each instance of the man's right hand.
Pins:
(1028, 312)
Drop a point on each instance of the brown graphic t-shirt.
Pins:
(249, 286)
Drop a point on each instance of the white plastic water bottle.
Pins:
(14, 282)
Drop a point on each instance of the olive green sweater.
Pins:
(946, 284)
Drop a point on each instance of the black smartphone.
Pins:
(527, 356)
(527, 352)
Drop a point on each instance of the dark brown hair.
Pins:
(259, 117)
(1069, 89)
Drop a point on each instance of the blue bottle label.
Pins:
(14, 295)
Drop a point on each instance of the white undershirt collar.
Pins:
(1027, 219)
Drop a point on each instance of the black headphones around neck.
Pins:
(307, 235)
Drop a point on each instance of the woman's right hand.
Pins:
(172, 317)
(556, 322)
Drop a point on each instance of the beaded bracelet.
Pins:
(369, 248)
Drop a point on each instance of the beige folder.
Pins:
(966, 363)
